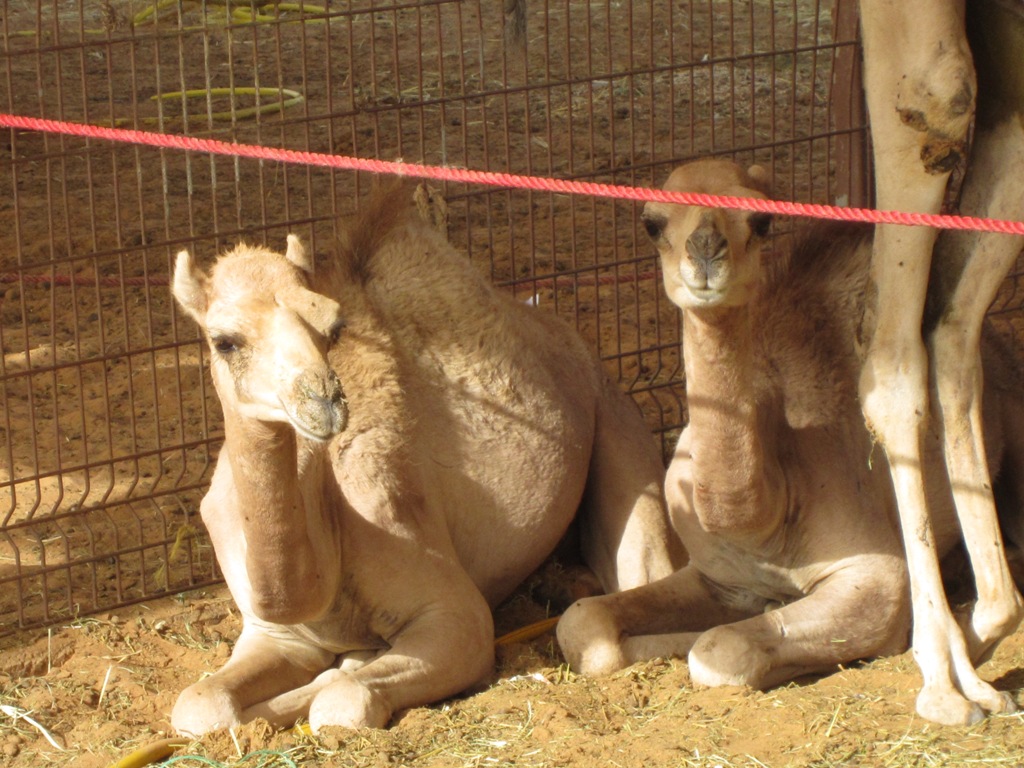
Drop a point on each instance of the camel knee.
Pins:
(204, 707)
(940, 106)
(936, 100)
(590, 639)
(727, 656)
(348, 703)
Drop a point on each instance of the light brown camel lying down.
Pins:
(787, 510)
(403, 446)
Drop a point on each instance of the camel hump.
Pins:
(825, 250)
(385, 210)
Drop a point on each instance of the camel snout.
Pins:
(321, 411)
(706, 246)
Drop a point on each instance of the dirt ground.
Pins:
(103, 686)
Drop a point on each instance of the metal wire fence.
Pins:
(108, 424)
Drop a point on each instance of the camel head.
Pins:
(710, 257)
(268, 335)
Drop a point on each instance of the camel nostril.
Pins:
(706, 245)
(320, 409)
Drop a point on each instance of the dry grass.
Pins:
(104, 688)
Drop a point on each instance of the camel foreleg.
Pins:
(285, 709)
(728, 636)
(601, 635)
(260, 667)
(443, 651)
(856, 612)
(972, 266)
(920, 86)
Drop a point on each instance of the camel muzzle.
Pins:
(706, 246)
(320, 411)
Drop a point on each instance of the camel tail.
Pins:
(515, 24)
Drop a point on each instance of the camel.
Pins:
(796, 563)
(403, 446)
(923, 79)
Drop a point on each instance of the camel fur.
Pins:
(787, 511)
(404, 445)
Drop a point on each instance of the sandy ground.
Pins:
(104, 686)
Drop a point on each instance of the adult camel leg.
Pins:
(971, 267)
(260, 667)
(919, 81)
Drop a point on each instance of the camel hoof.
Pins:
(201, 709)
(948, 708)
(723, 656)
(590, 639)
(348, 703)
(992, 701)
(1006, 706)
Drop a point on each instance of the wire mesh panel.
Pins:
(109, 423)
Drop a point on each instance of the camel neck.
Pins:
(264, 465)
(733, 478)
(286, 529)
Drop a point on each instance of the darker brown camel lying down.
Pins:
(403, 446)
(784, 504)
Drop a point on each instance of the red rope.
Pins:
(445, 173)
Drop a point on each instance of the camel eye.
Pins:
(654, 225)
(225, 345)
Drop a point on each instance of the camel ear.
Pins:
(761, 178)
(759, 223)
(296, 254)
(189, 286)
